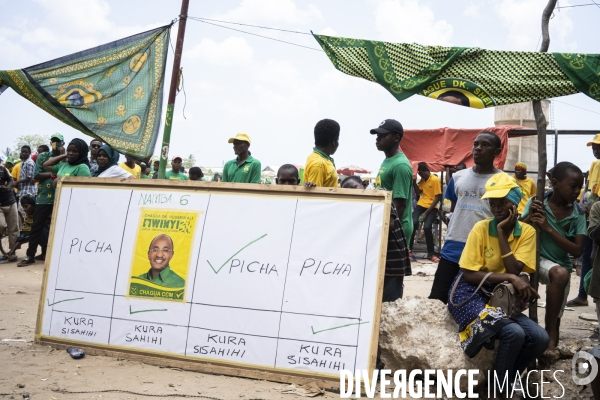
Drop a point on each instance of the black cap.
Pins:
(387, 126)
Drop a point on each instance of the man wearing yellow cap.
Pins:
(244, 168)
(594, 175)
(526, 184)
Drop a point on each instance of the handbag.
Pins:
(504, 295)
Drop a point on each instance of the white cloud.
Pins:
(230, 52)
(472, 10)
(329, 31)
(271, 11)
(522, 18)
(409, 21)
(85, 24)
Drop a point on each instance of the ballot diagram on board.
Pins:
(252, 277)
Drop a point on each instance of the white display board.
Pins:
(266, 278)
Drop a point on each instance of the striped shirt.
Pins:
(27, 172)
(397, 262)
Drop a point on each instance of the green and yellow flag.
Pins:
(112, 92)
(471, 77)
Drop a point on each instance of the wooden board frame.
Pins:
(220, 367)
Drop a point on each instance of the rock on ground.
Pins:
(419, 333)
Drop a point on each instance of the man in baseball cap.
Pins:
(244, 168)
(388, 126)
(175, 172)
(395, 175)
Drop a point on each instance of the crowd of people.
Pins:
(489, 238)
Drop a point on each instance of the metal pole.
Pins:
(555, 147)
(164, 150)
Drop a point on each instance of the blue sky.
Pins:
(277, 92)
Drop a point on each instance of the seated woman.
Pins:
(108, 160)
(504, 247)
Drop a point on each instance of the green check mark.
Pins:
(216, 271)
(135, 312)
(336, 327)
(61, 301)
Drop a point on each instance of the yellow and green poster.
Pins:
(162, 254)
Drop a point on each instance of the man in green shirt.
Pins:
(244, 168)
(44, 201)
(395, 173)
(160, 253)
(175, 172)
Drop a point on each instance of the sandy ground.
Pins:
(41, 369)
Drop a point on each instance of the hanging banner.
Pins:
(112, 92)
(470, 77)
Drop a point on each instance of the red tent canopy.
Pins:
(351, 170)
(444, 147)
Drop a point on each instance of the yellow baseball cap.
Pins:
(498, 186)
(595, 140)
(240, 136)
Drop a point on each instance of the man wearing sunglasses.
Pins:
(94, 147)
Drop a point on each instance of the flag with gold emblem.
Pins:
(112, 92)
(471, 77)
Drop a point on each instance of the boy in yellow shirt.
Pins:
(320, 167)
(526, 184)
(430, 191)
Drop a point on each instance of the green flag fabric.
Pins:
(471, 77)
(112, 92)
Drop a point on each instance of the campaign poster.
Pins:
(162, 254)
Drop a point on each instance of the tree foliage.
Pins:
(189, 162)
(33, 141)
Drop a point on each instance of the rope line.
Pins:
(253, 26)
(254, 34)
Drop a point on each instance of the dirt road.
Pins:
(41, 369)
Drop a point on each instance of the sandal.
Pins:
(27, 261)
(412, 256)
(435, 259)
(5, 259)
(576, 302)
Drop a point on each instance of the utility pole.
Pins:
(164, 149)
(540, 122)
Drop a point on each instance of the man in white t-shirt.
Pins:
(464, 191)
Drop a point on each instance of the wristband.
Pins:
(506, 255)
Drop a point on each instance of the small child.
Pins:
(287, 174)
(562, 221)
(196, 174)
(28, 205)
(352, 182)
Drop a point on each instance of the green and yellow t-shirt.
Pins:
(482, 250)
(135, 171)
(246, 172)
(66, 169)
(46, 187)
(320, 170)
(396, 175)
(594, 178)
(176, 176)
